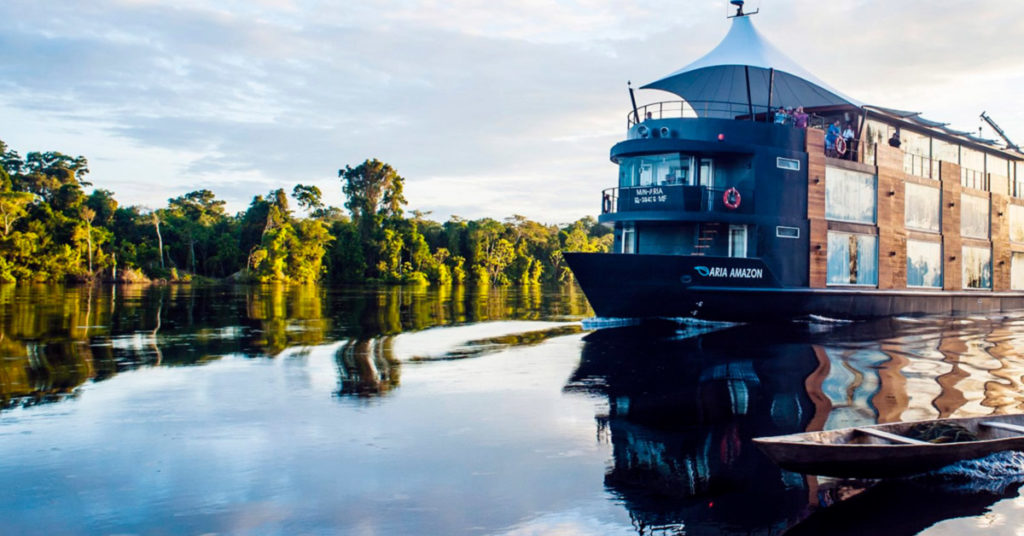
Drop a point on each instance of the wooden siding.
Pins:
(1000, 234)
(952, 273)
(892, 232)
(818, 258)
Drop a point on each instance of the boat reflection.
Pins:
(681, 413)
(682, 410)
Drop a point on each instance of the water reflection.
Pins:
(675, 413)
(54, 339)
(682, 411)
(681, 415)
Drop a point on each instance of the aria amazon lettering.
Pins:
(721, 271)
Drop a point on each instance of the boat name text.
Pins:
(738, 273)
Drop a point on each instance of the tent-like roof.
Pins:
(720, 76)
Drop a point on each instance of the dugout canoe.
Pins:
(891, 450)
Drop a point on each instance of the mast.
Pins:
(739, 9)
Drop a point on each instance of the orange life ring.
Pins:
(840, 146)
(731, 198)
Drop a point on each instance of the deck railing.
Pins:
(694, 109)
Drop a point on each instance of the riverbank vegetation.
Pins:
(53, 230)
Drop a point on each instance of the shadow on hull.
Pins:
(745, 290)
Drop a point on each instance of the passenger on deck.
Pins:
(830, 138)
(895, 139)
(648, 118)
(781, 117)
(800, 118)
(848, 137)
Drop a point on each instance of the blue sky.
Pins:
(487, 108)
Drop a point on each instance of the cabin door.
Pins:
(707, 173)
(737, 240)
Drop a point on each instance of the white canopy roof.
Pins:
(720, 76)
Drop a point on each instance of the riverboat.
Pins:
(889, 450)
(737, 203)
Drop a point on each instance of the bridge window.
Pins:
(655, 169)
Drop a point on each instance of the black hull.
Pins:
(644, 286)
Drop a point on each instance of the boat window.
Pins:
(787, 232)
(849, 195)
(977, 267)
(974, 221)
(922, 210)
(1018, 180)
(654, 169)
(917, 153)
(972, 169)
(790, 164)
(628, 238)
(737, 240)
(1016, 223)
(852, 259)
(1017, 271)
(945, 152)
(998, 170)
(875, 134)
(924, 264)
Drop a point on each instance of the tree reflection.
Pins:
(54, 339)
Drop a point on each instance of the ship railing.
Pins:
(972, 178)
(917, 165)
(669, 197)
(700, 109)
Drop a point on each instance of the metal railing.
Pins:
(695, 109)
(917, 165)
(972, 178)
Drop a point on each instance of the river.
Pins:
(371, 411)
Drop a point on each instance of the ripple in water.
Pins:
(990, 474)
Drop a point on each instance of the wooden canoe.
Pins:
(884, 450)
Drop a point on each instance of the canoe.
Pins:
(890, 450)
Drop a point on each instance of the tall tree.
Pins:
(373, 188)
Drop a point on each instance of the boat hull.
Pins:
(846, 453)
(641, 286)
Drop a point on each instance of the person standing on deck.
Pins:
(800, 118)
(830, 138)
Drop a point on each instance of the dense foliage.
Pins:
(51, 229)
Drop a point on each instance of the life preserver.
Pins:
(840, 146)
(606, 204)
(731, 198)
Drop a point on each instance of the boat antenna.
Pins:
(739, 10)
(991, 123)
(636, 114)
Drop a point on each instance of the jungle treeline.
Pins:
(52, 230)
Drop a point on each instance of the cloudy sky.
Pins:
(486, 107)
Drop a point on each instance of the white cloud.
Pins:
(519, 100)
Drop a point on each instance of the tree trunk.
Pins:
(88, 240)
(159, 239)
